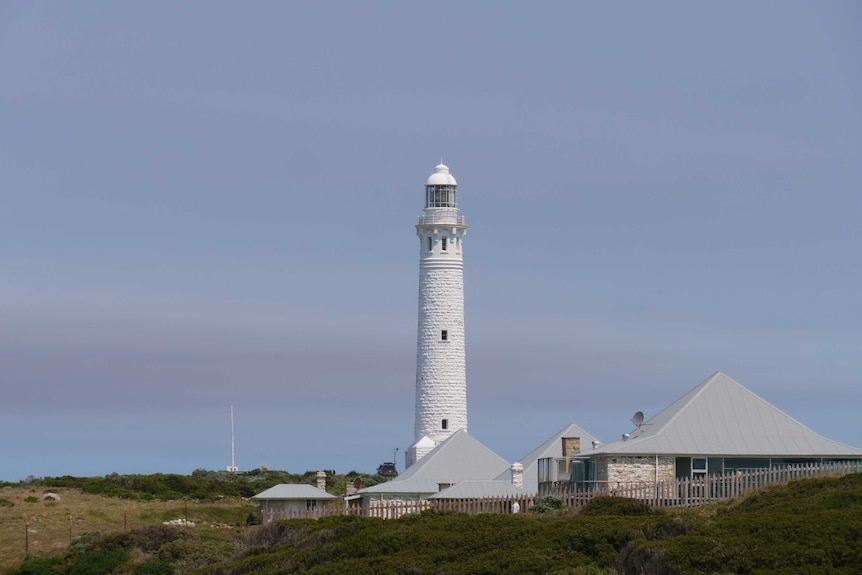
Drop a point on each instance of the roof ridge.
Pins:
(691, 395)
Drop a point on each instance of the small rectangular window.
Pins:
(444, 335)
(445, 424)
(444, 244)
(430, 243)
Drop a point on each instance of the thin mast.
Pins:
(232, 460)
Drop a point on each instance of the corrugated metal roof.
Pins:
(458, 458)
(293, 491)
(552, 447)
(478, 489)
(721, 417)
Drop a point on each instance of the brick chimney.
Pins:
(321, 480)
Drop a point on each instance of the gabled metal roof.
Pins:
(552, 447)
(294, 491)
(479, 489)
(721, 417)
(458, 458)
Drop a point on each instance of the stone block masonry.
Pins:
(441, 383)
(636, 469)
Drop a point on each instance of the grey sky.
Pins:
(211, 203)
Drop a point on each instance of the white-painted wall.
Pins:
(441, 374)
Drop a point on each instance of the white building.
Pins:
(286, 500)
(461, 468)
(718, 427)
(441, 373)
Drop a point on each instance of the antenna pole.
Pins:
(232, 460)
(233, 468)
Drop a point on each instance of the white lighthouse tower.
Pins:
(441, 373)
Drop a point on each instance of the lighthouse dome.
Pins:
(441, 177)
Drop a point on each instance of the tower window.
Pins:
(444, 424)
(444, 335)
(445, 241)
(430, 243)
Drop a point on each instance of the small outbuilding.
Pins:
(290, 500)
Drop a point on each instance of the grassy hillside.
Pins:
(29, 522)
(810, 526)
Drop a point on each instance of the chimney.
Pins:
(321, 480)
(354, 486)
(518, 475)
(571, 445)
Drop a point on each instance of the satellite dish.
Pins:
(638, 418)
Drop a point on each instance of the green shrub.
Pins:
(38, 566)
(644, 558)
(84, 541)
(584, 570)
(616, 506)
(153, 538)
(31, 499)
(99, 561)
(5, 502)
(154, 568)
(547, 504)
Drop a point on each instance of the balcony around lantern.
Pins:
(447, 217)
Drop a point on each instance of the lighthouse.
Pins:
(441, 372)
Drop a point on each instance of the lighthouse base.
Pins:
(419, 450)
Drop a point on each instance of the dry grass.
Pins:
(43, 526)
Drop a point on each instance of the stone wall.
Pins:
(635, 469)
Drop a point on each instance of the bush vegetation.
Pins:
(547, 504)
(201, 485)
(811, 526)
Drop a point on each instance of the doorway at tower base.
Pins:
(419, 450)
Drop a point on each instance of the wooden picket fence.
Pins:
(392, 509)
(693, 492)
(681, 493)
